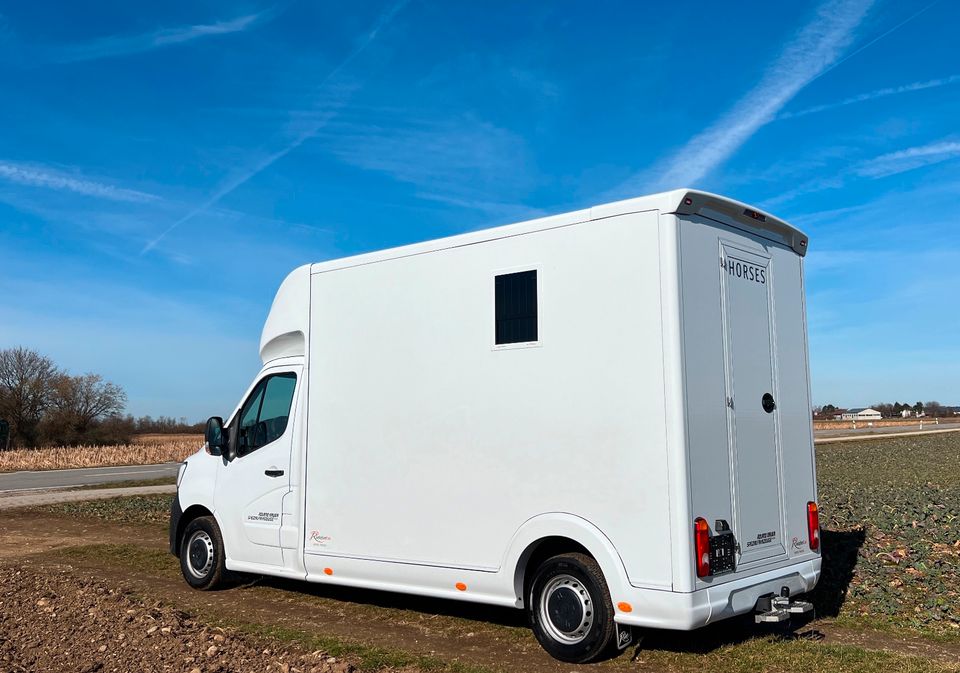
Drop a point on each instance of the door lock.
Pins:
(768, 403)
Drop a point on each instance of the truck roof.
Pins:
(283, 333)
(680, 201)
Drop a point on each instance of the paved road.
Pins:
(87, 476)
(12, 499)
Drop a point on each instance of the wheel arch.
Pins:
(549, 534)
(189, 514)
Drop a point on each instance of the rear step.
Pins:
(771, 608)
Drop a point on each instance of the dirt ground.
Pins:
(53, 620)
(24, 533)
(441, 631)
(81, 595)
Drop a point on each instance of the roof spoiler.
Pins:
(742, 216)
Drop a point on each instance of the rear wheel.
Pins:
(202, 554)
(570, 608)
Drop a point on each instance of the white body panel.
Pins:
(471, 441)
(422, 457)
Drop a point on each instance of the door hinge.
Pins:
(730, 402)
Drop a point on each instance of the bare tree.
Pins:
(78, 401)
(25, 378)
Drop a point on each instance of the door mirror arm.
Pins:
(230, 450)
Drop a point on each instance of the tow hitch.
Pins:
(773, 608)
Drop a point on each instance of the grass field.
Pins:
(891, 518)
(148, 450)
(150, 509)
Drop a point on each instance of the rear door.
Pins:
(747, 405)
(746, 275)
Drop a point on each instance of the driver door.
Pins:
(250, 488)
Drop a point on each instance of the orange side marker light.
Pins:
(328, 571)
(460, 586)
(624, 607)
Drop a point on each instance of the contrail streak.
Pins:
(879, 93)
(382, 21)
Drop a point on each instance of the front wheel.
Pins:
(570, 609)
(201, 554)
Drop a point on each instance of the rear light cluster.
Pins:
(701, 539)
(813, 526)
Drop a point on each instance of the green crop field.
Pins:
(890, 510)
(151, 509)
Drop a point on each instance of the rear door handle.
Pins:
(273, 472)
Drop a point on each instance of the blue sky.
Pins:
(163, 166)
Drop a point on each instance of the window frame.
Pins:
(263, 380)
(255, 391)
(493, 307)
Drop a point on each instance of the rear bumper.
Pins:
(688, 611)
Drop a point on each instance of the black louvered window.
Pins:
(516, 312)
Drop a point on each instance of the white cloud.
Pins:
(447, 156)
(309, 131)
(461, 161)
(187, 33)
(48, 178)
(879, 93)
(499, 212)
(118, 45)
(908, 159)
(814, 49)
(878, 167)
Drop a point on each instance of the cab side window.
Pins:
(264, 416)
(248, 419)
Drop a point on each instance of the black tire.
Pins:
(202, 554)
(570, 609)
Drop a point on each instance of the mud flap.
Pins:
(624, 636)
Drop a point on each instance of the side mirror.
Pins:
(215, 437)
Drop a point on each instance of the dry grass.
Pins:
(148, 450)
(163, 438)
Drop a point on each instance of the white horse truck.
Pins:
(601, 417)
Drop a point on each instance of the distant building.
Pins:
(906, 413)
(860, 414)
